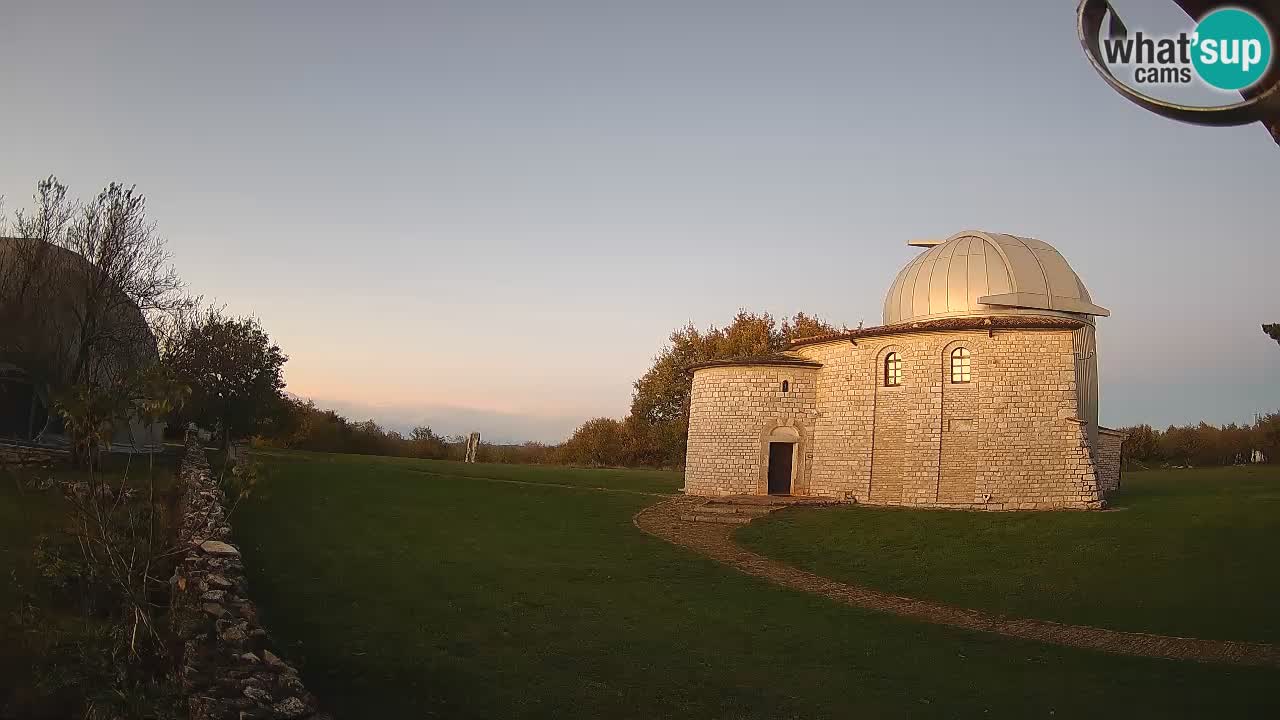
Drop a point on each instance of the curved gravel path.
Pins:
(715, 541)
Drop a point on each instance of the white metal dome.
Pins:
(980, 273)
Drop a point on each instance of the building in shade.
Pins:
(44, 293)
(980, 391)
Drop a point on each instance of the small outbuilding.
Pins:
(979, 391)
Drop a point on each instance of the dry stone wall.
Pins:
(1010, 439)
(228, 672)
(26, 456)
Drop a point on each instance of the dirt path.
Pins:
(715, 541)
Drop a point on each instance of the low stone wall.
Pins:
(227, 671)
(1110, 444)
(28, 456)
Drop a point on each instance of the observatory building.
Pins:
(979, 391)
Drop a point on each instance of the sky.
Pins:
(490, 215)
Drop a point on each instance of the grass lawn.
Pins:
(1188, 552)
(663, 482)
(26, 514)
(408, 590)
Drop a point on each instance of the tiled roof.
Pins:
(1009, 322)
(782, 359)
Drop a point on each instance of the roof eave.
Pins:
(957, 324)
(756, 362)
(1035, 301)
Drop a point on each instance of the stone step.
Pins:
(736, 509)
(768, 500)
(716, 518)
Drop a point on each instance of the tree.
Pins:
(307, 427)
(233, 371)
(599, 442)
(1141, 444)
(127, 272)
(1273, 331)
(81, 287)
(804, 326)
(1266, 434)
(32, 337)
(424, 443)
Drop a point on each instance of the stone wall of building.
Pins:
(733, 411)
(1010, 439)
(960, 433)
(840, 449)
(25, 456)
(228, 672)
(1108, 457)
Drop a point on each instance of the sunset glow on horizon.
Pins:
(488, 216)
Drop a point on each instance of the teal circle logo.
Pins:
(1232, 49)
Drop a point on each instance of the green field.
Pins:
(24, 515)
(34, 683)
(663, 482)
(1186, 552)
(411, 589)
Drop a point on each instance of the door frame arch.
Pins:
(786, 430)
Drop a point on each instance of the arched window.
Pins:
(960, 365)
(786, 386)
(892, 370)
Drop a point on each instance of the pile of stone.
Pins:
(29, 457)
(227, 671)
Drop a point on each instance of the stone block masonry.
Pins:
(733, 412)
(228, 672)
(980, 391)
(1110, 444)
(1009, 437)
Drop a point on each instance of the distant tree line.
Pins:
(652, 435)
(655, 432)
(1203, 444)
(301, 425)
